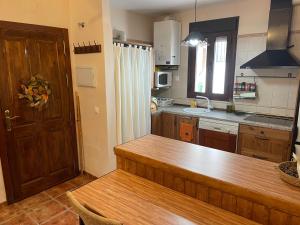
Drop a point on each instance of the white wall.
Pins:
(136, 26)
(276, 96)
(93, 101)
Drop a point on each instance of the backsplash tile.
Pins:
(276, 96)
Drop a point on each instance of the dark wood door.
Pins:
(217, 140)
(168, 125)
(156, 123)
(40, 149)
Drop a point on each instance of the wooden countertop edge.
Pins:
(214, 183)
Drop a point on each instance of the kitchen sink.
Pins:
(196, 110)
(270, 120)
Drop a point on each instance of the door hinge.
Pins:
(64, 44)
(67, 79)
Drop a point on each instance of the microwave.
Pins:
(162, 79)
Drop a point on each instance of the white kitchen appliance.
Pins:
(167, 39)
(219, 126)
(162, 79)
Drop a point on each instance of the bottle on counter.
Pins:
(193, 103)
(230, 108)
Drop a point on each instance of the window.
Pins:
(211, 68)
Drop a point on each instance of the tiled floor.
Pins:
(50, 207)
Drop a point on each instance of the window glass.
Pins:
(200, 78)
(219, 68)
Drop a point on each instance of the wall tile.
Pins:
(275, 96)
(278, 112)
(290, 113)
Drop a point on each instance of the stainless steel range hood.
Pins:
(277, 54)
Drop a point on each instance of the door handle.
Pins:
(8, 120)
(261, 138)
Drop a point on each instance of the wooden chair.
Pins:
(87, 215)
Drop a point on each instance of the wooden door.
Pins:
(168, 125)
(156, 123)
(40, 149)
(217, 140)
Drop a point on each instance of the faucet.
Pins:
(209, 105)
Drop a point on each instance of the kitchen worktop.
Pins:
(223, 116)
(246, 186)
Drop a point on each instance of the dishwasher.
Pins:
(218, 134)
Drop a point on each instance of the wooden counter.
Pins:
(246, 186)
(136, 201)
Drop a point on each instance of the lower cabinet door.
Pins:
(263, 148)
(217, 140)
(168, 128)
(156, 124)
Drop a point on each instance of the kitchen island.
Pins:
(246, 186)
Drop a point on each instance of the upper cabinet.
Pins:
(167, 39)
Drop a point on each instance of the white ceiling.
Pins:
(162, 6)
(159, 6)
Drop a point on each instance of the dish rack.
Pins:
(165, 102)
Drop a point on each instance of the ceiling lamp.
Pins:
(194, 38)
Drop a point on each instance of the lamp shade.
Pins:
(194, 39)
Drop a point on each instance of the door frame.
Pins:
(8, 181)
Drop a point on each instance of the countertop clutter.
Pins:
(281, 124)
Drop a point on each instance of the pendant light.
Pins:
(194, 38)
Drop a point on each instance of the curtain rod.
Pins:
(133, 43)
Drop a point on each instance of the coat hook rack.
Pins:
(87, 49)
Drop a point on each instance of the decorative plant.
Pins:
(36, 91)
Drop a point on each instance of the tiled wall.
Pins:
(276, 96)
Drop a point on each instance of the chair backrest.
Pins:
(88, 215)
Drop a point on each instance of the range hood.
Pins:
(277, 54)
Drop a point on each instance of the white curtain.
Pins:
(133, 70)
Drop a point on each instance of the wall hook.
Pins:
(81, 24)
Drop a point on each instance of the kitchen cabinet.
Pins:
(218, 140)
(187, 129)
(168, 125)
(218, 134)
(173, 126)
(156, 124)
(264, 143)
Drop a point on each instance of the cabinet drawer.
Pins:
(265, 133)
(263, 148)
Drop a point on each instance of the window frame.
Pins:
(211, 30)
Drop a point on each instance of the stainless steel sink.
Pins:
(281, 121)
